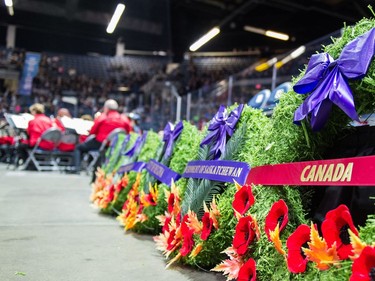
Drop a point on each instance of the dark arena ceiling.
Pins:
(78, 26)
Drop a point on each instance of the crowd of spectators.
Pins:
(123, 82)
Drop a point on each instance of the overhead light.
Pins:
(123, 89)
(295, 54)
(264, 66)
(277, 35)
(204, 39)
(115, 18)
(269, 33)
(254, 29)
(11, 11)
(8, 3)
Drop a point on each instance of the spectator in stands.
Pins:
(35, 129)
(109, 120)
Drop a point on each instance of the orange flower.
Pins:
(357, 245)
(161, 241)
(275, 238)
(121, 184)
(107, 197)
(173, 200)
(319, 252)
(196, 250)
(231, 266)
(193, 222)
(214, 212)
(149, 199)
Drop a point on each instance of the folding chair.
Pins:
(65, 151)
(44, 160)
(96, 154)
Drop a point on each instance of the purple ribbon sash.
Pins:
(111, 148)
(136, 166)
(327, 80)
(138, 143)
(170, 135)
(221, 125)
(162, 172)
(218, 170)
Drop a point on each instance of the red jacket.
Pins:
(62, 145)
(36, 128)
(58, 124)
(106, 123)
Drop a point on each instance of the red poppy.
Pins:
(171, 200)
(171, 241)
(166, 224)
(187, 233)
(243, 199)
(247, 271)
(363, 268)
(277, 215)
(184, 227)
(335, 229)
(296, 259)
(111, 193)
(207, 226)
(149, 199)
(187, 244)
(178, 218)
(244, 235)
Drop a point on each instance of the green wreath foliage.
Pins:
(184, 150)
(278, 140)
(148, 151)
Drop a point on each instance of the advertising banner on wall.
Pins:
(30, 70)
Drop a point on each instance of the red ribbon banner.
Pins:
(356, 171)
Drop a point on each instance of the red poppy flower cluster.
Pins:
(243, 199)
(278, 215)
(245, 234)
(340, 241)
(296, 259)
(335, 230)
(178, 235)
(363, 268)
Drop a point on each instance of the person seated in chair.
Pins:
(60, 114)
(35, 129)
(63, 145)
(109, 120)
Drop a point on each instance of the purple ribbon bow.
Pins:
(139, 141)
(327, 80)
(220, 126)
(170, 135)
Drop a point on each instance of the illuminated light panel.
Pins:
(115, 18)
(204, 39)
(277, 35)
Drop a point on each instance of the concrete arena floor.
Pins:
(49, 232)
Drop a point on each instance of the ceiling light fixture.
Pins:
(204, 39)
(115, 18)
(9, 4)
(277, 35)
(269, 33)
(295, 54)
(264, 66)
